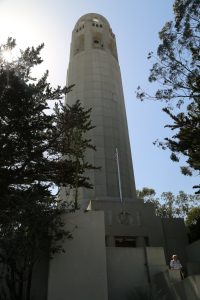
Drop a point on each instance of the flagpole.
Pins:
(119, 177)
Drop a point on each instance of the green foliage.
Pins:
(169, 205)
(182, 205)
(176, 69)
(193, 223)
(146, 192)
(193, 216)
(41, 150)
(76, 143)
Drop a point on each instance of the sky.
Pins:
(136, 25)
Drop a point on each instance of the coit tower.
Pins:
(95, 71)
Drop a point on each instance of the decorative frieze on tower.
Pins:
(94, 69)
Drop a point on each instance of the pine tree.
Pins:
(37, 157)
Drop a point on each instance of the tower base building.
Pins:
(117, 252)
(120, 249)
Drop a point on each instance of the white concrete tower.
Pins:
(95, 71)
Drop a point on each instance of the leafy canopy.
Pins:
(176, 69)
(193, 223)
(169, 205)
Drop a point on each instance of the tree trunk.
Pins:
(29, 281)
(21, 286)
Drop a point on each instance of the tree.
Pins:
(193, 223)
(76, 143)
(37, 157)
(177, 70)
(169, 205)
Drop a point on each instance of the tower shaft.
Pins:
(95, 71)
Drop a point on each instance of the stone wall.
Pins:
(80, 272)
(130, 269)
(193, 257)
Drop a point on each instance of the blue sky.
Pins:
(136, 25)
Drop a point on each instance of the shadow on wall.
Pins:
(144, 293)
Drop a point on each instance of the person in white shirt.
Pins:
(176, 265)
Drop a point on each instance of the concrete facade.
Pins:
(175, 238)
(193, 258)
(138, 221)
(80, 273)
(187, 289)
(91, 269)
(132, 268)
(169, 286)
(117, 247)
(113, 259)
(95, 71)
